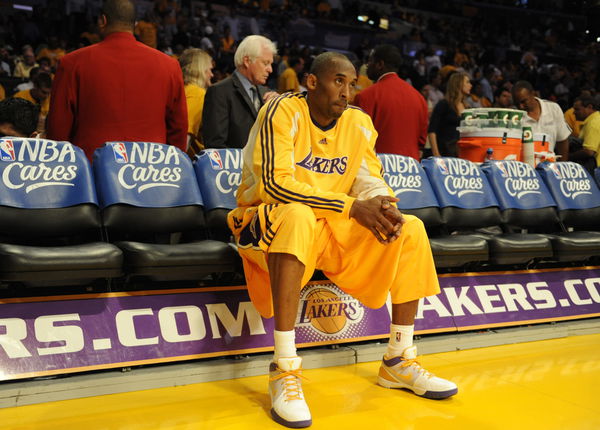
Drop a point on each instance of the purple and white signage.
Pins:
(53, 335)
(479, 300)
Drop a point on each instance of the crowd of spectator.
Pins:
(548, 46)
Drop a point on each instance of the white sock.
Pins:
(285, 344)
(401, 337)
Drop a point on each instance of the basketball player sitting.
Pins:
(312, 197)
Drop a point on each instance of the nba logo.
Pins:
(442, 165)
(502, 168)
(215, 160)
(120, 152)
(7, 150)
(555, 170)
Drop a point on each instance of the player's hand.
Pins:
(392, 213)
(373, 215)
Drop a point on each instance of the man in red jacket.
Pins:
(118, 89)
(399, 112)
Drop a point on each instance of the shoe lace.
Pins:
(412, 362)
(291, 383)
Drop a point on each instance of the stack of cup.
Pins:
(528, 152)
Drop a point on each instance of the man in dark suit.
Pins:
(231, 106)
(118, 89)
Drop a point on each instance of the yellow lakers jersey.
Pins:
(289, 158)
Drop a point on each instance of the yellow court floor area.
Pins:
(551, 384)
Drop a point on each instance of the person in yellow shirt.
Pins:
(196, 66)
(573, 123)
(312, 197)
(363, 81)
(25, 63)
(91, 34)
(147, 30)
(40, 96)
(586, 110)
(2, 93)
(53, 51)
(288, 80)
(227, 41)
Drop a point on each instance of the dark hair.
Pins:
(119, 12)
(44, 59)
(520, 85)
(586, 101)
(389, 54)
(21, 114)
(293, 61)
(323, 62)
(42, 80)
(33, 72)
(499, 92)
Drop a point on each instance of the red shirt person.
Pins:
(118, 89)
(398, 111)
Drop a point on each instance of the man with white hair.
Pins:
(231, 106)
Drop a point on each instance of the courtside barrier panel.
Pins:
(59, 335)
(49, 219)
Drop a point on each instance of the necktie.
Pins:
(255, 98)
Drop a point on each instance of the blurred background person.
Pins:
(118, 89)
(543, 116)
(40, 96)
(231, 106)
(573, 123)
(586, 111)
(196, 66)
(18, 118)
(25, 63)
(503, 99)
(445, 117)
(399, 112)
(288, 80)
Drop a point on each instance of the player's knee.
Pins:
(414, 225)
(299, 213)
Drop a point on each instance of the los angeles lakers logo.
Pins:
(327, 310)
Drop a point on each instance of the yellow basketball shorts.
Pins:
(347, 253)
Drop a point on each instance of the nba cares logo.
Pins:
(120, 152)
(7, 150)
(215, 160)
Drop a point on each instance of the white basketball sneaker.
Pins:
(405, 372)
(288, 406)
